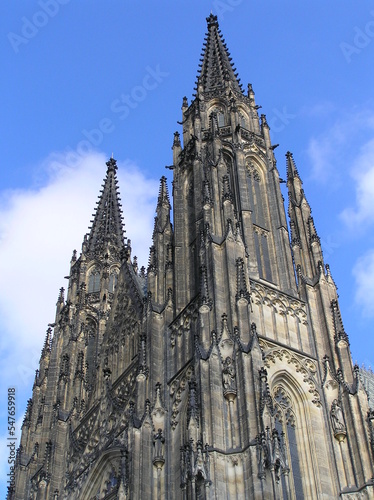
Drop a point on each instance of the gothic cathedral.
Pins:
(223, 371)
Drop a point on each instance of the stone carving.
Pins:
(158, 449)
(303, 365)
(337, 420)
(195, 464)
(177, 388)
(182, 323)
(229, 379)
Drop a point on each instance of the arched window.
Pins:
(94, 281)
(220, 116)
(257, 202)
(113, 278)
(111, 483)
(90, 341)
(286, 425)
(256, 196)
(220, 119)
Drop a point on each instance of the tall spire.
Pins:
(107, 222)
(216, 67)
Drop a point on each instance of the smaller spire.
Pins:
(176, 141)
(47, 343)
(241, 285)
(162, 219)
(250, 92)
(204, 288)
(163, 194)
(207, 199)
(152, 264)
(61, 295)
(265, 395)
(291, 166)
(264, 122)
(340, 333)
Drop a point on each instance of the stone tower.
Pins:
(224, 371)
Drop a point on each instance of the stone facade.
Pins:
(221, 371)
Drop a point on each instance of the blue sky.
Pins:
(68, 69)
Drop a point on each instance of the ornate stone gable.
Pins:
(301, 367)
(104, 427)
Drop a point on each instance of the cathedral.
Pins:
(223, 370)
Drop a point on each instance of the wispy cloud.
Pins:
(363, 273)
(362, 213)
(329, 151)
(358, 216)
(342, 156)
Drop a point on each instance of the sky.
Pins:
(84, 80)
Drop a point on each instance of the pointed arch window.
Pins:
(90, 342)
(286, 425)
(256, 196)
(113, 278)
(242, 120)
(220, 118)
(94, 281)
(111, 483)
(260, 216)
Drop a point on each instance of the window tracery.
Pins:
(257, 202)
(286, 425)
(94, 281)
(113, 278)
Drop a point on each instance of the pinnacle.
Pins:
(291, 166)
(163, 194)
(340, 333)
(112, 165)
(212, 20)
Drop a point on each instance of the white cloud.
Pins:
(363, 272)
(330, 151)
(319, 153)
(358, 218)
(319, 109)
(39, 228)
(363, 175)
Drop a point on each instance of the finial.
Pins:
(212, 20)
(111, 164)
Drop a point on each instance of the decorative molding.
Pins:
(306, 367)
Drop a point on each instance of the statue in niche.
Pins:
(228, 376)
(337, 418)
(158, 443)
